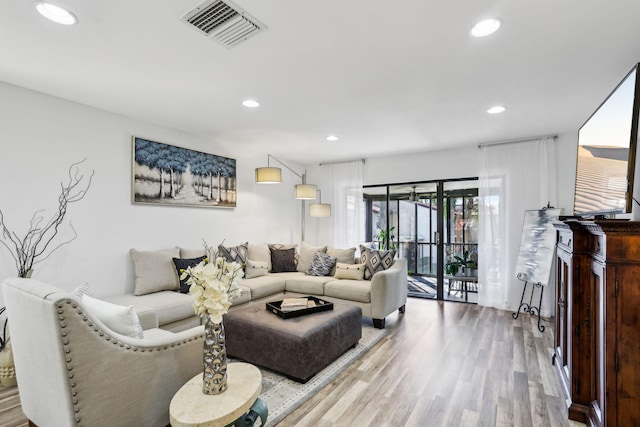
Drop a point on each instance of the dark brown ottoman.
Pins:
(299, 347)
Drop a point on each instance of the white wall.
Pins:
(42, 135)
(446, 164)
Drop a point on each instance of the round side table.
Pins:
(191, 407)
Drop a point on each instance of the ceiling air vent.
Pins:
(224, 22)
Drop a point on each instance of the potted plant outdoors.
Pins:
(466, 265)
(381, 237)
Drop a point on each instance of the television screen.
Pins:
(606, 153)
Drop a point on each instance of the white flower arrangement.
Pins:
(213, 286)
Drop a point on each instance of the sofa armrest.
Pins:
(389, 289)
(148, 317)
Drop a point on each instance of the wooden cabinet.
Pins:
(573, 347)
(597, 341)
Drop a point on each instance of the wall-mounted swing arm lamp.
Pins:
(320, 209)
(273, 175)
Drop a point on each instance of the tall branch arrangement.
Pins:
(38, 242)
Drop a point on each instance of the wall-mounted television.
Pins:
(606, 152)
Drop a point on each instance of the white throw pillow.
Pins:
(119, 318)
(154, 271)
(349, 271)
(256, 269)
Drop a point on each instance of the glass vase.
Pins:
(214, 377)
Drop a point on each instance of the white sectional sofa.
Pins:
(159, 304)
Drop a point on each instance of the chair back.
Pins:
(38, 348)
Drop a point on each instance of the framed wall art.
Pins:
(168, 175)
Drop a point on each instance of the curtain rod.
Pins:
(515, 141)
(343, 161)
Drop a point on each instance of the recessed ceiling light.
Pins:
(251, 103)
(56, 13)
(331, 138)
(496, 110)
(486, 27)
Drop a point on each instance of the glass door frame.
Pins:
(389, 197)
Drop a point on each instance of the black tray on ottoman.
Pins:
(320, 305)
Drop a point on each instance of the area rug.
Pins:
(283, 395)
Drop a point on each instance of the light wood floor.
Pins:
(442, 364)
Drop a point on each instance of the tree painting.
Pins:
(166, 174)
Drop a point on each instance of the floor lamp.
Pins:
(273, 175)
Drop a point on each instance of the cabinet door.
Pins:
(598, 369)
(562, 350)
(628, 344)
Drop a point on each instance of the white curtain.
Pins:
(514, 177)
(341, 186)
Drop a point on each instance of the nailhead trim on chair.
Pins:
(67, 350)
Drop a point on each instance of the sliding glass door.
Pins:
(428, 223)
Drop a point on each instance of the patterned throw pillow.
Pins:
(321, 265)
(283, 260)
(183, 264)
(235, 253)
(375, 261)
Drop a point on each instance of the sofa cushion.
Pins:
(288, 274)
(256, 269)
(154, 271)
(263, 286)
(119, 318)
(351, 290)
(234, 253)
(321, 265)
(259, 252)
(308, 285)
(282, 260)
(344, 256)
(305, 257)
(375, 260)
(349, 271)
(183, 264)
(169, 306)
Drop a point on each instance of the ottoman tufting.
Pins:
(298, 347)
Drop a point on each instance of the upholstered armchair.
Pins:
(73, 370)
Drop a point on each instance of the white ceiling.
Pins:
(387, 77)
